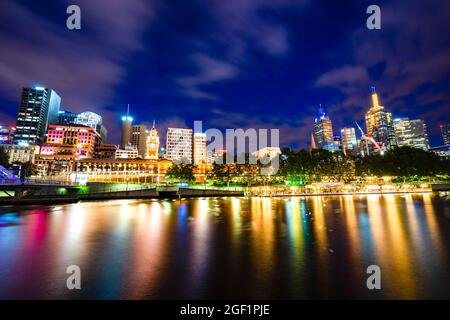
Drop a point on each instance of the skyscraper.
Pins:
(153, 143)
(126, 130)
(379, 123)
(348, 139)
(323, 131)
(179, 145)
(38, 108)
(199, 148)
(139, 139)
(412, 133)
(445, 131)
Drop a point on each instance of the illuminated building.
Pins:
(199, 148)
(6, 134)
(412, 133)
(139, 139)
(179, 145)
(65, 144)
(129, 152)
(323, 131)
(215, 156)
(80, 139)
(94, 121)
(20, 153)
(124, 170)
(445, 131)
(153, 143)
(105, 151)
(379, 123)
(126, 130)
(348, 139)
(337, 143)
(38, 108)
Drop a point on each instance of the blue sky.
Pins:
(231, 64)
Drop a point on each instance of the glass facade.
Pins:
(38, 108)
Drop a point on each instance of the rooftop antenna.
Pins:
(153, 123)
(128, 111)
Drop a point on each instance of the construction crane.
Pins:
(369, 138)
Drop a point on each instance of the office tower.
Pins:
(38, 108)
(179, 145)
(199, 148)
(66, 117)
(348, 139)
(94, 121)
(445, 131)
(126, 130)
(323, 131)
(139, 139)
(153, 143)
(379, 123)
(412, 133)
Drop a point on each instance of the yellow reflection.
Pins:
(262, 239)
(323, 250)
(351, 221)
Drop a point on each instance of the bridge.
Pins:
(51, 192)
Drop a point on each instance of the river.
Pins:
(229, 248)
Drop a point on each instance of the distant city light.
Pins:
(39, 88)
(127, 118)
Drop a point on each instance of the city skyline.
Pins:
(238, 79)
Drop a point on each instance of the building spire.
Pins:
(153, 124)
(375, 101)
(128, 111)
(313, 142)
(321, 112)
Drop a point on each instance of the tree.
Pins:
(181, 173)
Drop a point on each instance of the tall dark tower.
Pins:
(127, 130)
(38, 108)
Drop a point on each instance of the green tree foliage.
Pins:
(404, 163)
(181, 173)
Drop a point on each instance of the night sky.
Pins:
(230, 63)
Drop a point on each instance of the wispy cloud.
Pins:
(209, 70)
(83, 66)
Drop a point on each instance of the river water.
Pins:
(229, 248)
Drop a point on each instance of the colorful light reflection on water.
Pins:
(295, 248)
